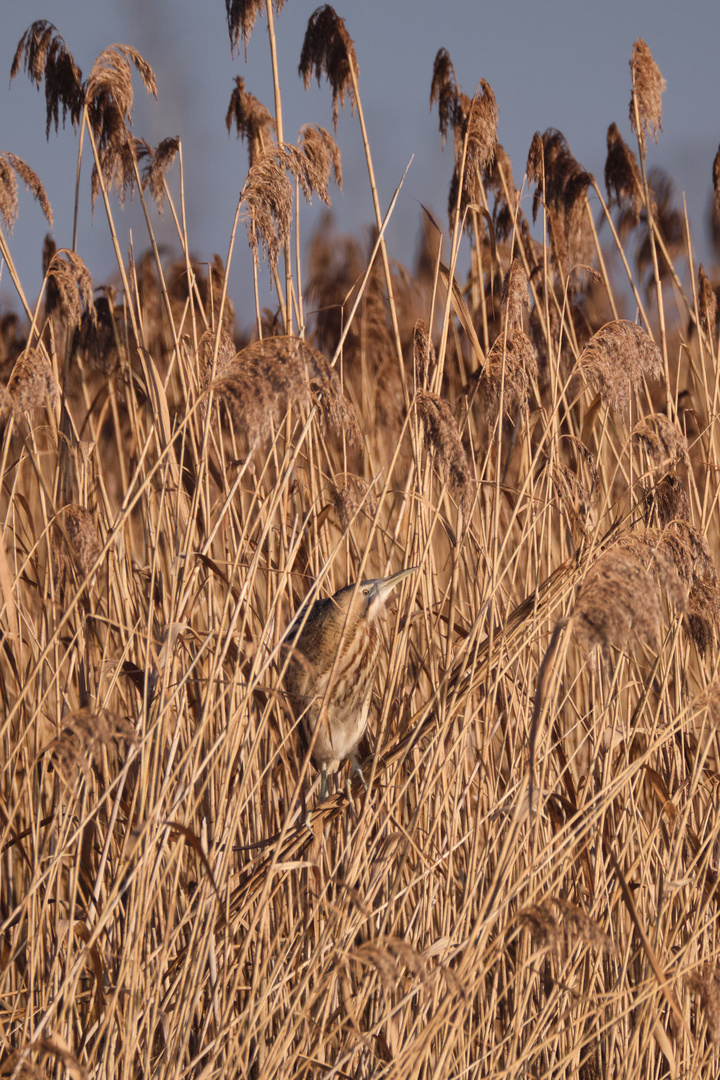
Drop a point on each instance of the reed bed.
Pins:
(529, 885)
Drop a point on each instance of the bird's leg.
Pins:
(355, 768)
(323, 782)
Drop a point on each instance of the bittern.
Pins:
(331, 671)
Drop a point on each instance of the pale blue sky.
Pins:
(559, 63)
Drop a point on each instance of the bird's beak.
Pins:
(386, 585)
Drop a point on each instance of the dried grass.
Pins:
(174, 899)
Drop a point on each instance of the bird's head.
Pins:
(369, 598)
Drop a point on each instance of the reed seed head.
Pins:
(328, 50)
(617, 358)
(109, 97)
(707, 305)
(77, 542)
(269, 376)
(324, 160)
(32, 383)
(241, 16)
(72, 284)
(648, 86)
(443, 442)
(349, 493)
(42, 52)
(157, 163)
(252, 120)
(423, 354)
(618, 603)
(267, 195)
(515, 294)
(704, 981)
(561, 185)
(206, 349)
(663, 440)
(11, 167)
(622, 174)
(516, 359)
(444, 90)
(83, 737)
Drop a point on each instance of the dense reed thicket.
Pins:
(529, 885)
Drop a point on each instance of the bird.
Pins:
(336, 639)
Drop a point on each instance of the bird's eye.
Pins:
(366, 592)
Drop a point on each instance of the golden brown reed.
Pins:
(269, 376)
(226, 352)
(663, 440)
(267, 193)
(560, 926)
(241, 16)
(109, 101)
(474, 125)
(442, 441)
(72, 285)
(561, 186)
(253, 122)
(324, 159)
(32, 383)
(84, 736)
(328, 50)
(424, 358)
(707, 305)
(44, 55)
(351, 494)
(622, 174)
(618, 605)
(509, 368)
(10, 167)
(156, 164)
(444, 90)
(617, 359)
(704, 981)
(193, 909)
(514, 295)
(75, 542)
(648, 87)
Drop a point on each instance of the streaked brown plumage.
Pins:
(345, 626)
